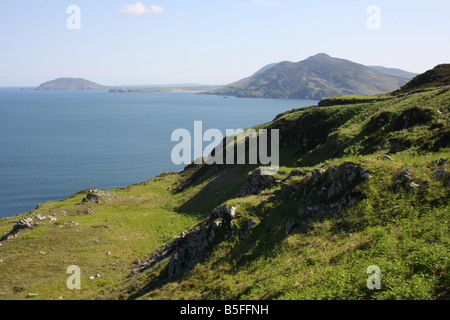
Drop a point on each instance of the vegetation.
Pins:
(401, 228)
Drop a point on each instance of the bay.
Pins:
(56, 143)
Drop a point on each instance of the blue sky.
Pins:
(210, 41)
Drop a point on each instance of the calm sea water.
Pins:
(56, 143)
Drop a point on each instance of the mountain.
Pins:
(317, 77)
(395, 72)
(70, 84)
(437, 77)
(364, 185)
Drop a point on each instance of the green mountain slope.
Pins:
(437, 77)
(317, 77)
(363, 182)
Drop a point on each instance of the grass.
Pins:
(405, 234)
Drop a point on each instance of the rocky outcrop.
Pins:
(306, 133)
(412, 117)
(257, 182)
(24, 223)
(193, 246)
(326, 191)
(98, 196)
(405, 180)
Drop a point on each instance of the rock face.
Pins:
(191, 247)
(327, 191)
(98, 196)
(306, 133)
(257, 182)
(412, 117)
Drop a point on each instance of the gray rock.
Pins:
(440, 173)
(98, 196)
(291, 224)
(257, 182)
(412, 186)
(23, 223)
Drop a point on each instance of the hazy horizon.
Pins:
(118, 42)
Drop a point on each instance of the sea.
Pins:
(54, 144)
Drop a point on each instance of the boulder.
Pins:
(24, 223)
(98, 196)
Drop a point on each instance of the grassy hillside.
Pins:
(362, 182)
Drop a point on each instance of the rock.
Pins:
(89, 211)
(257, 182)
(405, 176)
(335, 189)
(194, 245)
(295, 173)
(98, 196)
(23, 223)
(388, 157)
(412, 186)
(30, 295)
(136, 262)
(230, 211)
(251, 224)
(317, 174)
(440, 173)
(291, 224)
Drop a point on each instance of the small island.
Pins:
(69, 84)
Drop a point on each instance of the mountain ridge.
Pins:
(317, 77)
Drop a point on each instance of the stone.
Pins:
(440, 173)
(257, 182)
(290, 225)
(251, 224)
(23, 223)
(98, 196)
(388, 157)
(40, 217)
(412, 186)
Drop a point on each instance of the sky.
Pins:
(143, 42)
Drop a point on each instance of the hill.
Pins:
(395, 72)
(70, 84)
(437, 77)
(363, 182)
(317, 77)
